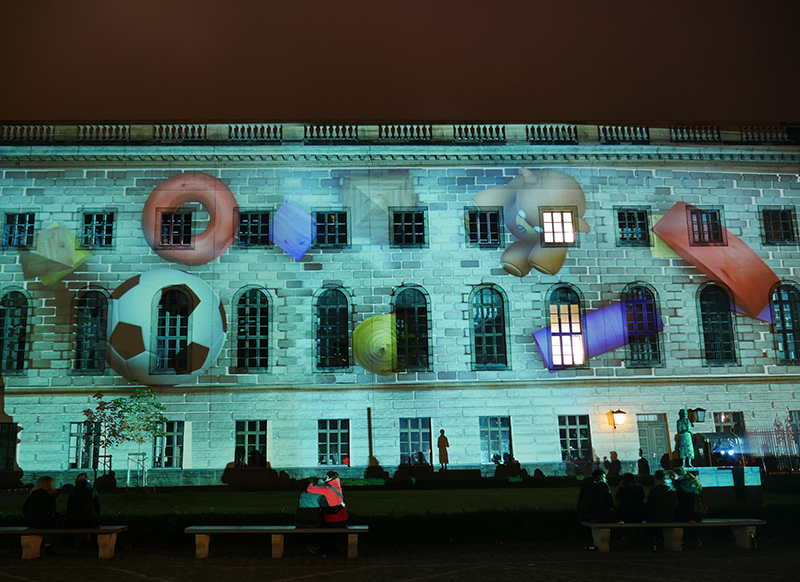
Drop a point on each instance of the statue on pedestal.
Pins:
(685, 444)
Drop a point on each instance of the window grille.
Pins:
(489, 329)
(98, 230)
(558, 227)
(18, 230)
(575, 438)
(633, 227)
(84, 445)
(415, 441)
(495, 434)
(13, 325)
(566, 328)
(176, 229)
(172, 336)
(729, 422)
(168, 448)
(331, 229)
(706, 227)
(786, 322)
(778, 226)
(484, 227)
(718, 334)
(333, 442)
(252, 332)
(251, 443)
(644, 346)
(8, 445)
(91, 330)
(408, 228)
(411, 316)
(254, 229)
(333, 336)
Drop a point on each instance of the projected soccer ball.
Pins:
(166, 327)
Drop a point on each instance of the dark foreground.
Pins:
(632, 560)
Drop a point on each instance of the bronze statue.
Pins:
(685, 445)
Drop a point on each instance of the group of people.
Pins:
(321, 504)
(675, 496)
(83, 509)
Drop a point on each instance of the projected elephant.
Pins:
(542, 209)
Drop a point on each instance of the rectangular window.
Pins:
(254, 229)
(18, 230)
(84, 445)
(331, 229)
(706, 227)
(633, 227)
(575, 438)
(778, 226)
(495, 439)
(251, 443)
(415, 441)
(729, 422)
(168, 449)
(333, 442)
(558, 227)
(98, 229)
(408, 227)
(176, 229)
(566, 335)
(8, 445)
(483, 227)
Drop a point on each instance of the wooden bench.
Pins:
(202, 535)
(744, 530)
(31, 538)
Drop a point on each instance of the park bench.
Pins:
(744, 530)
(202, 535)
(31, 537)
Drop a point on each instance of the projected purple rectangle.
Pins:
(293, 230)
(604, 330)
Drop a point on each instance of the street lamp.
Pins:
(617, 418)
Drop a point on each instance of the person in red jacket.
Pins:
(335, 515)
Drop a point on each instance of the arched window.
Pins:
(489, 329)
(411, 314)
(172, 336)
(333, 337)
(717, 325)
(566, 328)
(643, 325)
(91, 328)
(786, 319)
(13, 326)
(252, 330)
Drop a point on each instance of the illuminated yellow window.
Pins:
(566, 334)
(558, 227)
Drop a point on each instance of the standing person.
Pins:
(631, 497)
(83, 507)
(685, 445)
(39, 510)
(442, 444)
(309, 513)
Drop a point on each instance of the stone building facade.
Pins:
(524, 367)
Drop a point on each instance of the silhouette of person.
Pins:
(442, 443)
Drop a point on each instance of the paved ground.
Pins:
(630, 561)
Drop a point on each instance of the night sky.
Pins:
(400, 61)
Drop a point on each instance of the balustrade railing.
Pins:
(482, 133)
(331, 133)
(408, 133)
(255, 132)
(623, 134)
(552, 134)
(27, 133)
(183, 132)
(694, 133)
(764, 134)
(104, 132)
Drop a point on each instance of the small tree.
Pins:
(138, 418)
